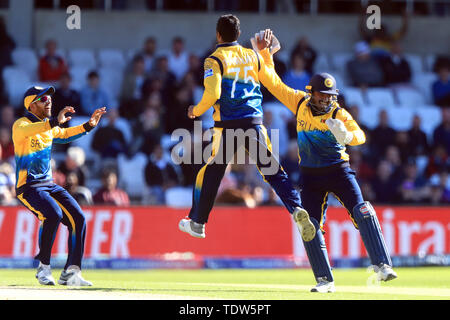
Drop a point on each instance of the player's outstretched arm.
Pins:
(66, 135)
(268, 76)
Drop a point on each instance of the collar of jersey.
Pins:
(228, 44)
(32, 117)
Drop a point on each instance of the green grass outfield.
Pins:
(236, 284)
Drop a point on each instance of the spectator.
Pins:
(413, 186)
(381, 136)
(92, 96)
(384, 186)
(109, 193)
(441, 134)
(7, 46)
(363, 69)
(65, 95)
(58, 177)
(7, 116)
(196, 69)
(438, 161)
(392, 155)
(160, 174)
(395, 67)
(304, 49)
(440, 188)
(230, 192)
(51, 66)
(404, 147)
(7, 185)
(290, 163)
(108, 140)
(417, 138)
(178, 59)
(6, 145)
(362, 168)
(441, 87)
(184, 97)
(80, 193)
(148, 54)
(297, 77)
(75, 163)
(132, 89)
(149, 128)
(380, 39)
(166, 80)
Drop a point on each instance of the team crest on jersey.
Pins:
(208, 73)
(328, 82)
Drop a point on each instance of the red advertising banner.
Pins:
(140, 232)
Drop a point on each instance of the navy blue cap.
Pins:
(34, 93)
(324, 83)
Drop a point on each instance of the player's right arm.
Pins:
(270, 79)
(213, 87)
(23, 128)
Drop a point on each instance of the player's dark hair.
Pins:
(229, 27)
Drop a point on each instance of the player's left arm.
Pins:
(66, 135)
(352, 126)
(212, 81)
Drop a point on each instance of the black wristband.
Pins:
(54, 122)
(87, 127)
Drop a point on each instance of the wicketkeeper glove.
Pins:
(340, 132)
(273, 48)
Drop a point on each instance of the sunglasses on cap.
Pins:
(42, 99)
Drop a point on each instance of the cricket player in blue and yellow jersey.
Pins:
(33, 136)
(323, 131)
(232, 87)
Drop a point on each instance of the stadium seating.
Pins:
(179, 197)
(111, 80)
(26, 59)
(321, 64)
(408, 96)
(400, 118)
(82, 58)
(79, 76)
(17, 81)
(339, 61)
(415, 63)
(111, 58)
(382, 97)
(353, 96)
(423, 82)
(131, 174)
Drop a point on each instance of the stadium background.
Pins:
(403, 168)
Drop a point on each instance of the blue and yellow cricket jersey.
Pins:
(33, 139)
(317, 146)
(231, 81)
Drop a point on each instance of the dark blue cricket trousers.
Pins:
(316, 184)
(53, 205)
(259, 148)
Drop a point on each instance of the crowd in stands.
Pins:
(155, 89)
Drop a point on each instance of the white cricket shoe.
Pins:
(304, 224)
(44, 275)
(324, 286)
(72, 277)
(195, 229)
(385, 272)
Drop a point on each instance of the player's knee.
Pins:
(363, 210)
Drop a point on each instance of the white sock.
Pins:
(46, 266)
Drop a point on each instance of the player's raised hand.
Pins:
(191, 112)
(62, 114)
(96, 116)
